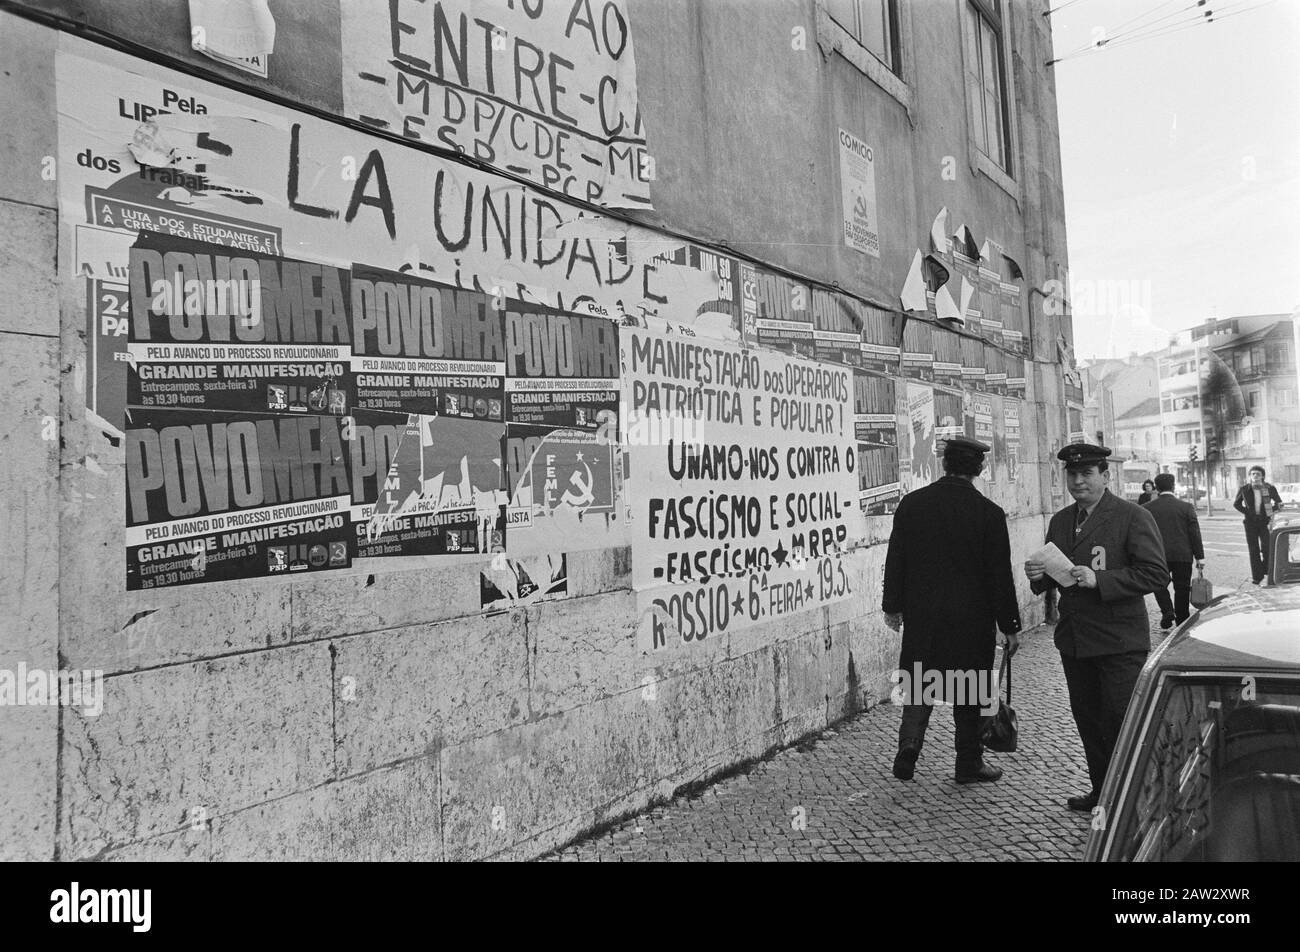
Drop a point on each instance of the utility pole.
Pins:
(1200, 400)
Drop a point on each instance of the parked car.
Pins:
(1207, 766)
(1289, 493)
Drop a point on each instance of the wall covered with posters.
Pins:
(427, 417)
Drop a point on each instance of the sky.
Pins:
(1181, 167)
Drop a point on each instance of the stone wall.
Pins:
(384, 716)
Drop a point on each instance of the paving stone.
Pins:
(854, 808)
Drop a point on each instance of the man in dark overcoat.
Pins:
(1103, 633)
(948, 583)
(1180, 531)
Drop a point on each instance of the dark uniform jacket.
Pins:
(1245, 503)
(1120, 542)
(948, 570)
(1180, 530)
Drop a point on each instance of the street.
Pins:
(834, 798)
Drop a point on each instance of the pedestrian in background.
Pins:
(948, 584)
(1103, 634)
(1180, 531)
(1149, 493)
(1257, 501)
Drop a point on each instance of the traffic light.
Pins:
(1211, 444)
(1192, 454)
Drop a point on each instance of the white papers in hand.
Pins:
(1058, 566)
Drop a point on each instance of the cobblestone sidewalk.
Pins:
(835, 798)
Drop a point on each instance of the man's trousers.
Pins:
(1257, 547)
(1100, 689)
(1181, 607)
(966, 719)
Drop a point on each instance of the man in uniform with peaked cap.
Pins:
(948, 584)
(1103, 633)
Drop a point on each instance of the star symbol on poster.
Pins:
(779, 552)
(738, 606)
(578, 456)
(808, 590)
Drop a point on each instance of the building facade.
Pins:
(1226, 396)
(410, 395)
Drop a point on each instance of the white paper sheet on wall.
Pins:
(239, 33)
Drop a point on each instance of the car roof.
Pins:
(1257, 629)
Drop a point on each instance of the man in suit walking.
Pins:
(1257, 501)
(1103, 634)
(1180, 531)
(948, 583)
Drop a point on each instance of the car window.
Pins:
(1286, 556)
(1218, 776)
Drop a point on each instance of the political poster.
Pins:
(777, 311)
(882, 333)
(947, 357)
(972, 363)
(1011, 429)
(424, 347)
(215, 496)
(922, 465)
(214, 328)
(876, 430)
(543, 91)
(747, 522)
(429, 485)
(858, 194)
(561, 458)
(837, 328)
(918, 350)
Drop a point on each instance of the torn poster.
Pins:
(437, 72)
(507, 583)
(939, 232)
(562, 409)
(440, 492)
(239, 33)
(913, 296)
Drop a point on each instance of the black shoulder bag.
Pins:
(999, 730)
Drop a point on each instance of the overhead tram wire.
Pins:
(1054, 10)
(1221, 12)
(1154, 30)
(1143, 16)
(1108, 39)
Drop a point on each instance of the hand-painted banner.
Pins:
(542, 89)
(747, 523)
